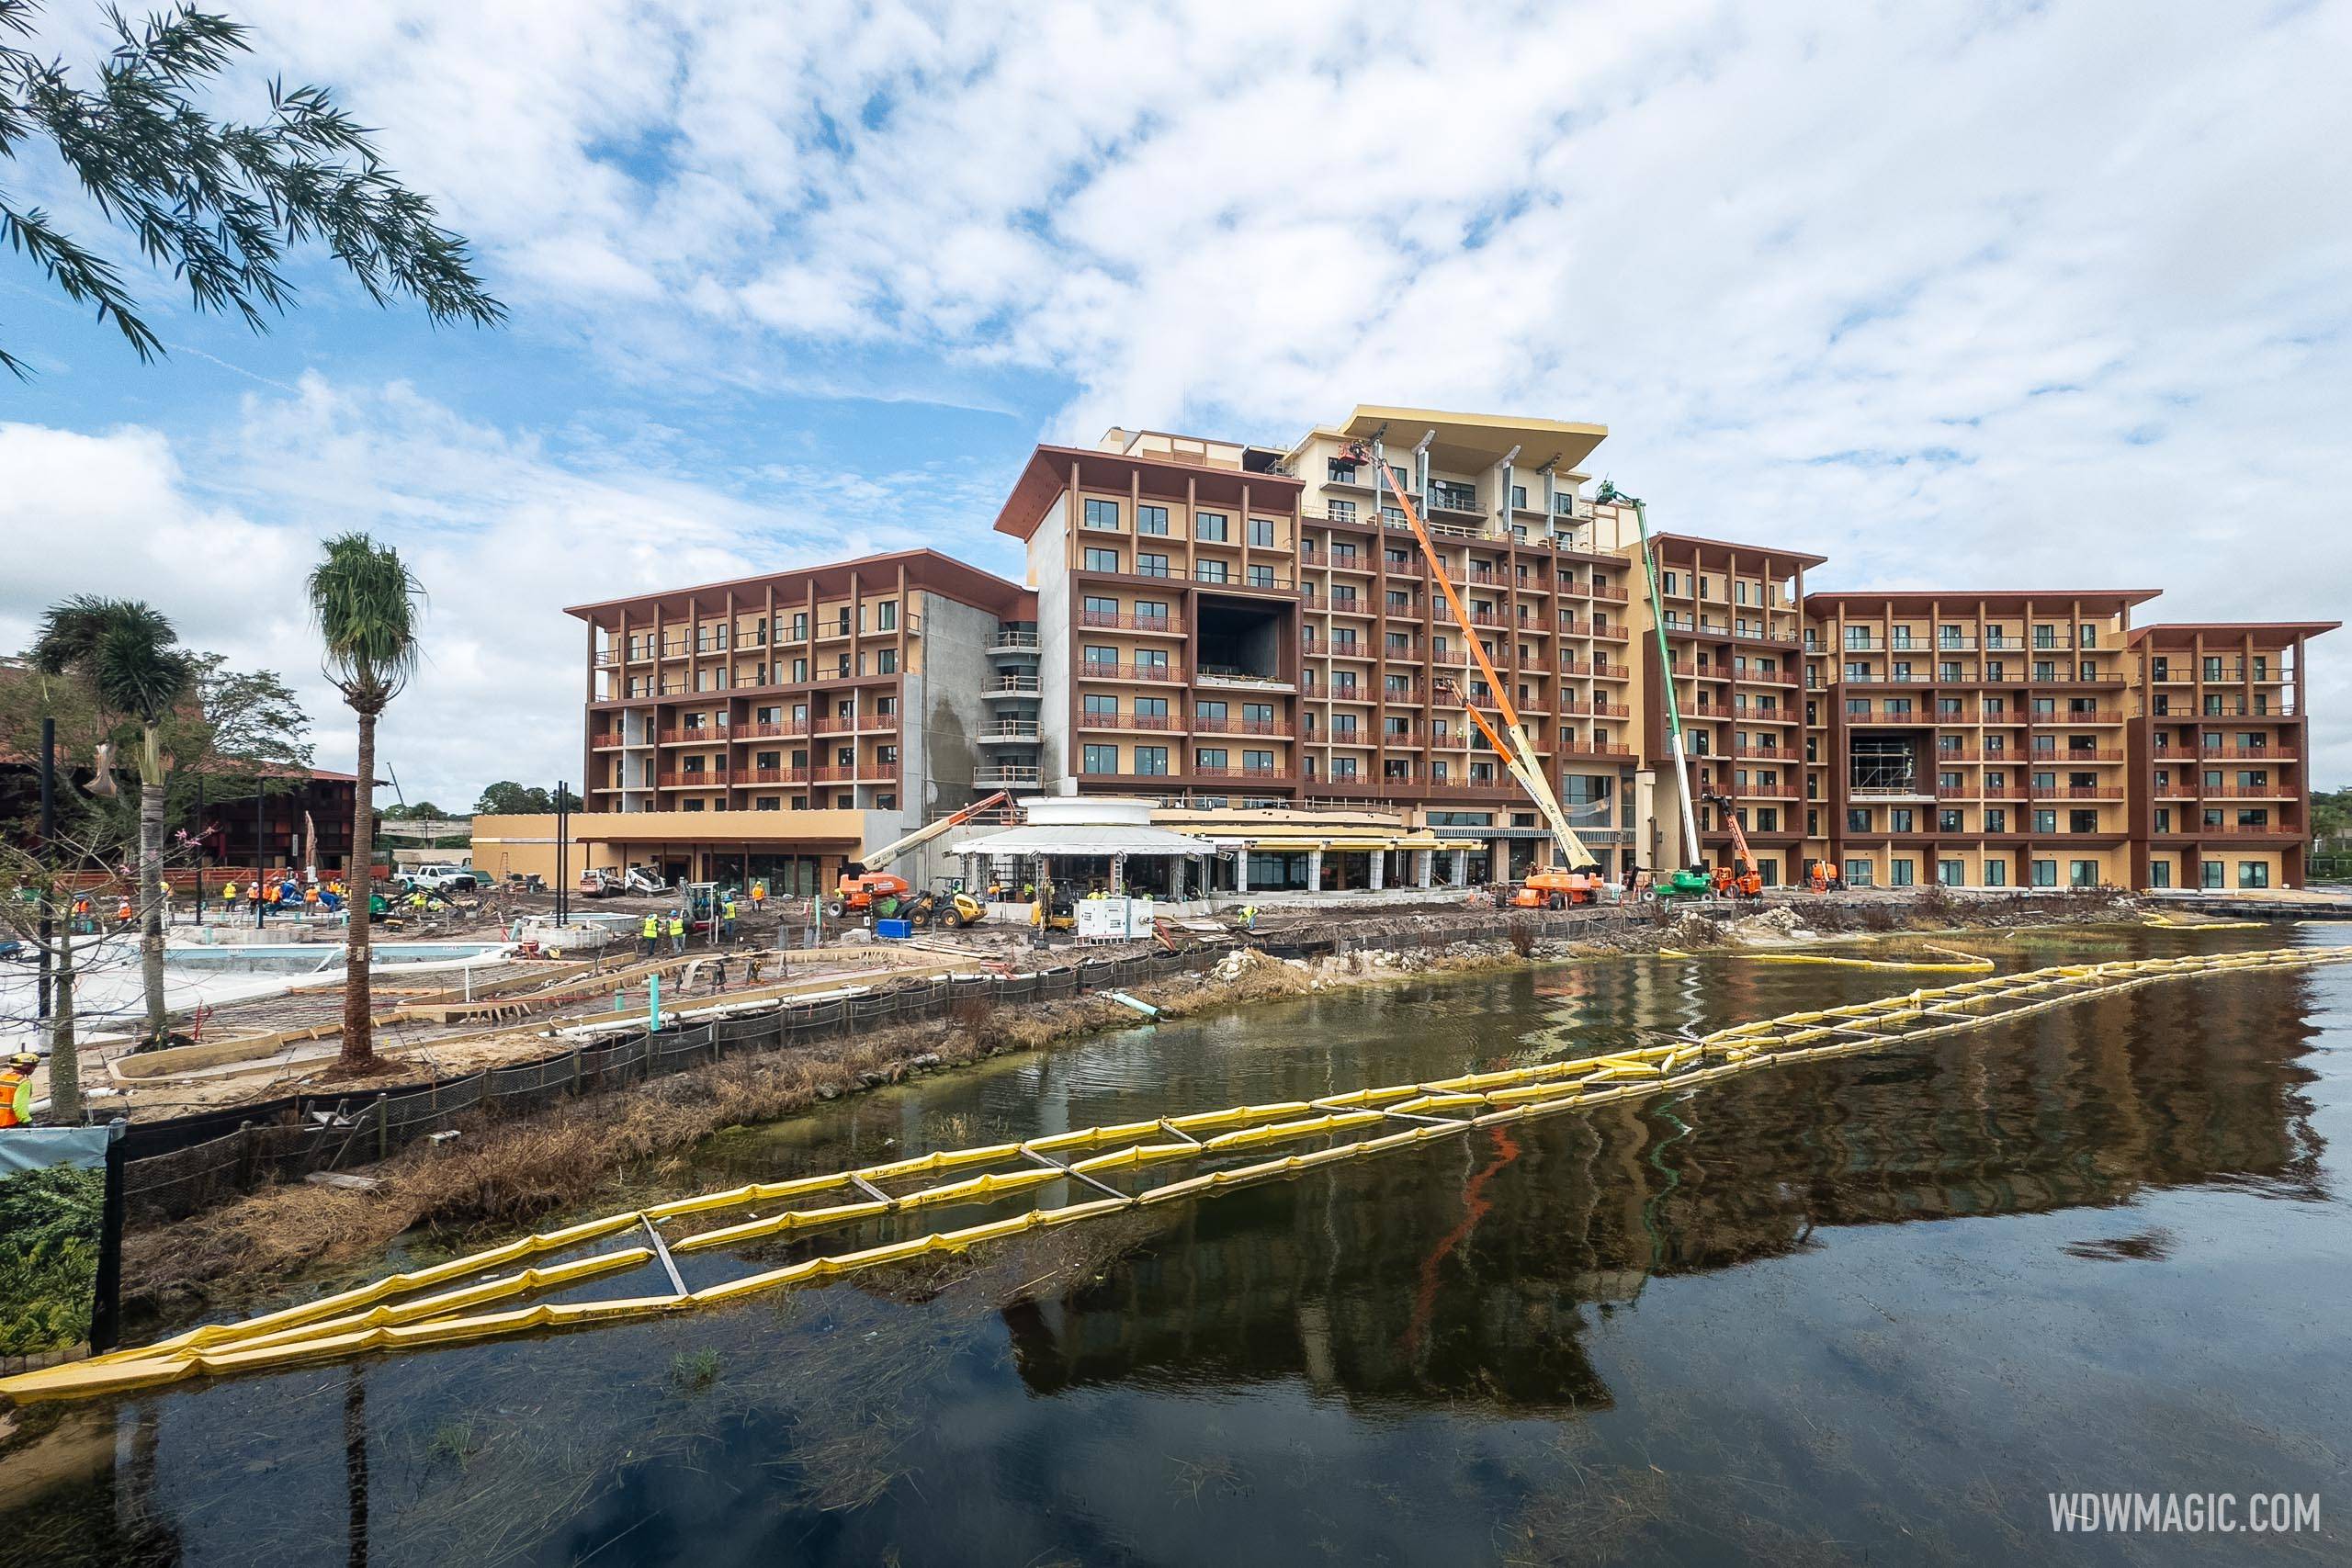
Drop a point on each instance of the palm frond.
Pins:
(125, 650)
(367, 606)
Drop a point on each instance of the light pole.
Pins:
(562, 854)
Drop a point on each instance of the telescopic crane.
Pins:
(1519, 754)
(1692, 877)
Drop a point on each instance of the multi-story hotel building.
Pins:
(1227, 624)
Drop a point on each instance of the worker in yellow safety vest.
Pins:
(16, 1089)
(649, 934)
(727, 921)
(228, 893)
(678, 931)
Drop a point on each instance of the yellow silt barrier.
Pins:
(358, 1322)
(777, 1224)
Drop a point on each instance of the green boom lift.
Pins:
(1689, 881)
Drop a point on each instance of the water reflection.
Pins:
(1426, 1357)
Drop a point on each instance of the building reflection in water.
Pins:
(1471, 1274)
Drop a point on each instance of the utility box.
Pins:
(1113, 920)
(894, 931)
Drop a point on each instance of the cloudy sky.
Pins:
(1986, 295)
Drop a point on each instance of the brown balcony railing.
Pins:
(714, 736)
(1261, 773)
(1125, 621)
(1172, 672)
(1241, 726)
(709, 778)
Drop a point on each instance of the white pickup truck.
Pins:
(443, 879)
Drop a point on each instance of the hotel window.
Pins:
(1209, 571)
(1151, 614)
(2253, 873)
(1209, 757)
(1898, 871)
(1150, 565)
(1152, 711)
(1261, 534)
(1099, 760)
(1949, 821)
(2081, 874)
(1099, 707)
(1151, 659)
(1340, 470)
(1261, 576)
(1996, 873)
(1101, 513)
(799, 669)
(1900, 820)
(1209, 528)
(1858, 819)
(1260, 762)
(1097, 653)
(2160, 874)
(885, 615)
(1151, 520)
(1342, 511)
(2045, 874)
(886, 756)
(2045, 820)
(1151, 759)
(1101, 560)
(1098, 611)
(885, 662)
(1859, 873)
(2081, 821)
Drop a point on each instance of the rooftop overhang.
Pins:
(924, 568)
(827, 831)
(1677, 549)
(2266, 634)
(1999, 602)
(1467, 443)
(1048, 475)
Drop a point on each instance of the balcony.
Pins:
(714, 736)
(1161, 625)
(1248, 726)
(1590, 749)
(604, 740)
(770, 775)
(1117, 720)
(2248, 753)
(2075, 791)
(2046, 756)
(1012, 686)
(1259, 774)
(774, 730)
(1014, 642)
(709, 778)
(1004, 775)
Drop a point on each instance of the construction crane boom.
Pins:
(1518, 753)
(882, 857)
(1691, 853)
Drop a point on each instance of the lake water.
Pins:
(1873, 1309)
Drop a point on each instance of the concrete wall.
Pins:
(1049, 574)
(943, 710)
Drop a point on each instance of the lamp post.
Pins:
(49, 890)
(562, 855)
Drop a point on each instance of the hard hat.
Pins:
(24, 1059)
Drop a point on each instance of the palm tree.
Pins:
(127, 652)
(367, 606)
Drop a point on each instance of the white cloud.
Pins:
(1972, 294)
(219, 538)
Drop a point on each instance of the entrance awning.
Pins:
(1086, 839)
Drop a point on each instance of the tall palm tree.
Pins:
(127, 653)
(367, 605)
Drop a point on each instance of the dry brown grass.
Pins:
(503, 1175)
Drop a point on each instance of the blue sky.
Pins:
(1958, 295)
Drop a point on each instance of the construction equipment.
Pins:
(1690, 880)
(1052, 909)
(858, 892)
(890, 851)
(1516, 751)
(1543, 890)
(1749, 882)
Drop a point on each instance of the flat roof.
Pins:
(1467, 441)
(1048, 474)
(2122, 598)
(925, 569)
(1770, 552)
(2284, 631)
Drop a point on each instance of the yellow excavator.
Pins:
(1559, 886)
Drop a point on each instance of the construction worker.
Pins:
(757, 966)
(311, 898)
(759, 897)
(727, 919)
(123, 911)
(718, 973)
(677, 930)
(16, 1089)
(229, 894)
(648, 934)
(1248, 917)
